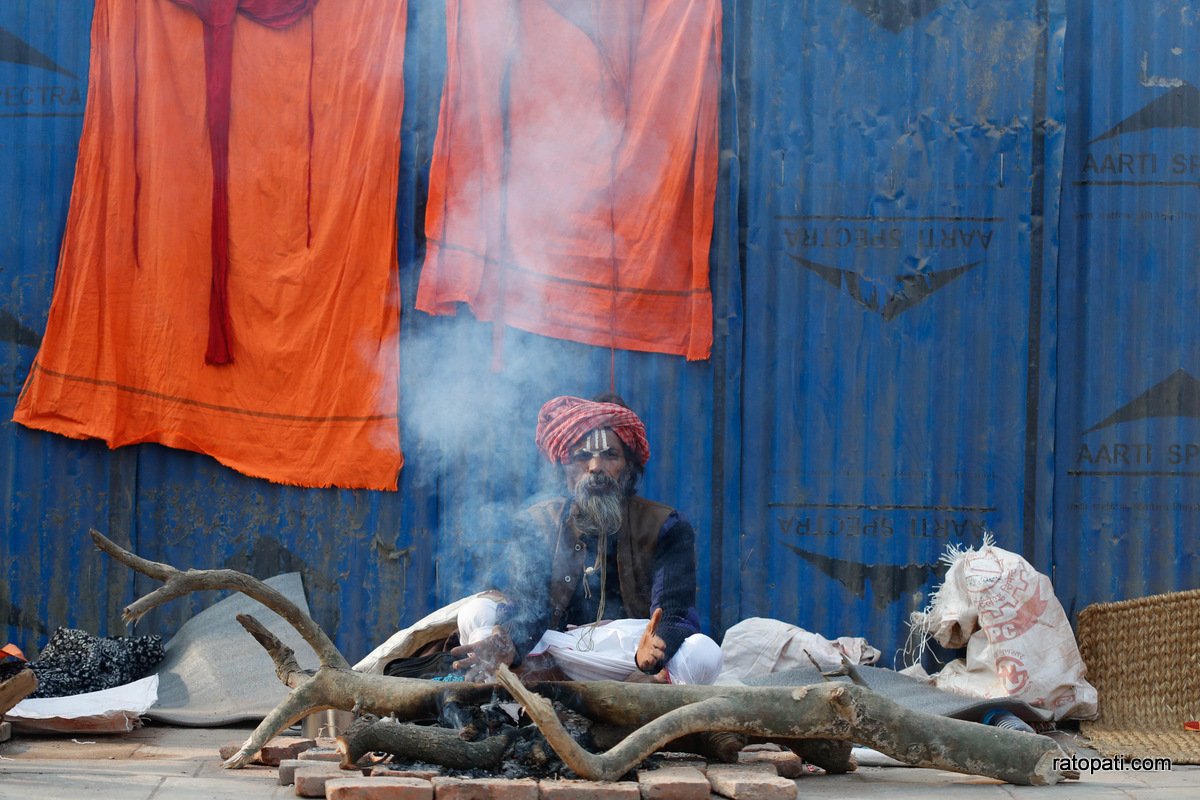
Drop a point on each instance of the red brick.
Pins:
(787, 764)
(673, 783)
(750, 782)
(682, 760)
(310, 779)
(378, 789)
(320, 754)
(228, 750)
(589, 790)
(384, 771)
(282, 747)
(287, 770)
(485, 789)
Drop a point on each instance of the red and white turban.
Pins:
(565, 420)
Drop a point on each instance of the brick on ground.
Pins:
(228, 750)
(385, 771)
(681, 760)
(589, 790)
(378, 789)
(287, 770)
(673, 783)
(445, 788)
(5, 731)
(282, 747)
(762, 747)
(787, 764)
(750, 782)
(319, 753)
(310, 777)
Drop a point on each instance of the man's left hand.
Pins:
(651, 648)
(480, 660)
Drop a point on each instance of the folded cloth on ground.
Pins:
(759, 646)
(113, 710)
(75, 662)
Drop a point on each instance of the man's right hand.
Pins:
(480, 660)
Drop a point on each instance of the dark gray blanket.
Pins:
(910, 693)
(215, 673)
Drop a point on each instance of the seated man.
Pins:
(612, 587)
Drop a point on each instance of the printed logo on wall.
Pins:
(1178, 108)
(895, 15)
(1112, 160)
(16, 50)
(1104, 451)
(807, 525)
(29, 97)
(888, 582)
(913, 245)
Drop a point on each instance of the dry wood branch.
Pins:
(830, 711)
(421, 743)
(287, 668)
(827, 711)
(177, 583)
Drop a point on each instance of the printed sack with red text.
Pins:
(1019, 642)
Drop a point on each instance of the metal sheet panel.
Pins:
(1128, 434)
(899, 157)
(52, 489)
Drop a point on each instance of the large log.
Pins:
(823, 711)
(420, 743)
(660, 713)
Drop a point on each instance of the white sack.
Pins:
(1019, 642)
(759, 646)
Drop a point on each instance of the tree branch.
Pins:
(177, 584)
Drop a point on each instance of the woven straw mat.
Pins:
(1143, 657)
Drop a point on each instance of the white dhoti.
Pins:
(600, 652)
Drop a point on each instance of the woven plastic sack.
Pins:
(1019, 642)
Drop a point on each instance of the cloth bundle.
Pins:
(75, 662)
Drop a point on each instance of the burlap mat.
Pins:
(1143, 657)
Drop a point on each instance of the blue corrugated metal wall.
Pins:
(1128, 433)
(893, 317)
(898, 251)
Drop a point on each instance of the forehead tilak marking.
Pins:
(596, 442)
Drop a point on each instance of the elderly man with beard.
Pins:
(609, 590)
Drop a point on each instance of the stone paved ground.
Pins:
(163, 762)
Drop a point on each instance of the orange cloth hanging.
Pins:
(574, 174)
(311, 397)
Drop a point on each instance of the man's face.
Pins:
(598, 452)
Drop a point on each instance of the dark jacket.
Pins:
(651, 564)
